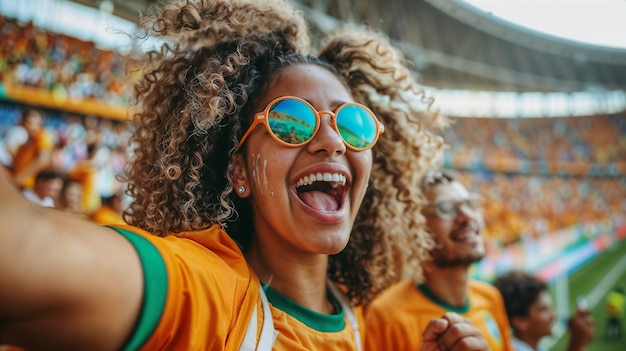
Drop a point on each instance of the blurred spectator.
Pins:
(110, 212)
(614, 313)
(36, 153)
(47, 189)
(13, 138)
(71, 197)
(86, 172)
(72, 145)
(530, 312)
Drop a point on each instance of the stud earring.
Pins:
(241, 189)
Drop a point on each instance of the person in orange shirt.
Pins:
(11, 141)
(71, 197)
(398, 318)
(86, 172)
(48, 187)
(36, 153)
(236, 239)
(110, 212)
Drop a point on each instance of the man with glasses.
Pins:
(397, 318)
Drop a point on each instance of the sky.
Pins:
(597, 22)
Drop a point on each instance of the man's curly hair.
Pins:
(199, 92)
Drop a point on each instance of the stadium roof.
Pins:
(454, 45)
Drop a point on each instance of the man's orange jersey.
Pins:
(397, 318)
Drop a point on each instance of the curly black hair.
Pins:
(519, 291)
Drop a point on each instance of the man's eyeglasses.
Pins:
(450, 209)
(293, 122)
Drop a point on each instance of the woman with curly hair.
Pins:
(259, 172)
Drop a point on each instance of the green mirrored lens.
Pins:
(356, 126)
(291, 121)
(447, 208)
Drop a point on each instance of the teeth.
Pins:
(336, 179)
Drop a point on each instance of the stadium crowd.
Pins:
(59, 64)
(541, 174)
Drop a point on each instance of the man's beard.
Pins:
(441, 261)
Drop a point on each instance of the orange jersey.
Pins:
(28, 152)
(86, 173)
(107, 216)
(200, 294)
(397, 318)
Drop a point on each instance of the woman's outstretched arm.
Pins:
(65, 283)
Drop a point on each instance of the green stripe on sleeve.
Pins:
(155, 289)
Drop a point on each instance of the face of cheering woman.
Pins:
(294, 222)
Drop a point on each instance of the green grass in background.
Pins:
(583, 282)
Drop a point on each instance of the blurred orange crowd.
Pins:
(66, 67)
(542, 174)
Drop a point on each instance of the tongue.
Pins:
(320, 201)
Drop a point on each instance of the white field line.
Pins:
(594, 297)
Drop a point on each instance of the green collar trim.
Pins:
(432, 297)
(321, 322)
(155, 289)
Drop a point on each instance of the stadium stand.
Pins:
(56, 71)
(541, 174)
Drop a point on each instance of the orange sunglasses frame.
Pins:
(261, 118)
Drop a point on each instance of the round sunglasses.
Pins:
(293, 122)
(449, 210)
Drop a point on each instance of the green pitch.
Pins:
(587, 281)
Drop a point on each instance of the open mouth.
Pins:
(322, 192)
